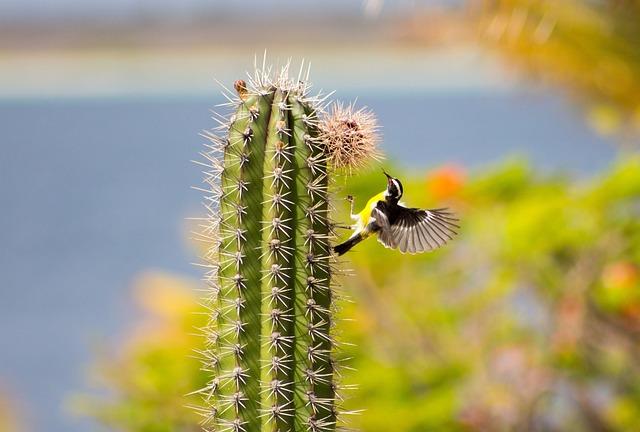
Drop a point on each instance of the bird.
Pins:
(409, 230)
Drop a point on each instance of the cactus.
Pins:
(269, 348)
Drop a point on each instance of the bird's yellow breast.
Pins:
(366, 211)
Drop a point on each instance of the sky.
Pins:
(56, 9)
(59, 8)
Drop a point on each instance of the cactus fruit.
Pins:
(269, 347)
(350, 137)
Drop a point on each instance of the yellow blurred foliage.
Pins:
(591, 49)
(9, 414)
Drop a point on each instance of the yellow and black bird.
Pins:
(409, 230)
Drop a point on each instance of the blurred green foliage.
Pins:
(528, 321)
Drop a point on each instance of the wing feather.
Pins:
(398, 234)
(424, 237)
(416, 230)
(432, 225)
(430, 242)
(411, 246)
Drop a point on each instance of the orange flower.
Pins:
(620, 289)
(446, 182)
(621, 274)
(632, 312)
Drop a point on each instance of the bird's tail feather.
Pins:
(344, 247)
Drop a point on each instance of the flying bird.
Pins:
(398, 227)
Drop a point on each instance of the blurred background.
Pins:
(521, 115)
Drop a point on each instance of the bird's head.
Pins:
(394, 187)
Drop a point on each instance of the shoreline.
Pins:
(170, 71)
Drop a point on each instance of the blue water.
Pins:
(94, 191)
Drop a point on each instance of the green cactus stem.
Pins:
(269, 345)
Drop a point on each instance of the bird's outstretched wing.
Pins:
(415, 230)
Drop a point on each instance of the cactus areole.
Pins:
(269, 345)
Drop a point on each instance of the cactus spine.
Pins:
(269, 347)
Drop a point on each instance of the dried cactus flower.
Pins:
(350, 137)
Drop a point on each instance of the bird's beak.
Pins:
(389, 178)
